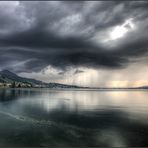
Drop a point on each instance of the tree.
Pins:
(13, 84)
(19, 85)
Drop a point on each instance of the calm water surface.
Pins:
(43, 117)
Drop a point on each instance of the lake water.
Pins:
(43, 117)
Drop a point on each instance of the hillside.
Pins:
(7, 77)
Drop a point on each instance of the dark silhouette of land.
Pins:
(11, 80)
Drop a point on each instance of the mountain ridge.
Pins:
(10, 79)
(7, 76)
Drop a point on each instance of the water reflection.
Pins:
(42, 117)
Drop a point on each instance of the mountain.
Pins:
(9, 77)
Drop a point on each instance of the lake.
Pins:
(43, 117)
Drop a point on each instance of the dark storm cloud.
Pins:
(34, 35)
(78, 71)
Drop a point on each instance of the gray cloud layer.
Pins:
(34, 35)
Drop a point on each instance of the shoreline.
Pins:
(81, 89)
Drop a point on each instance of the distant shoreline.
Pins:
(11, 80)
(82, 89)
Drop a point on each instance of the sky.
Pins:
(86, 43)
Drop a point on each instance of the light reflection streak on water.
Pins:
(105, 115)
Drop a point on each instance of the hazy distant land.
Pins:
(11, 80)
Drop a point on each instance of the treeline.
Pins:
(16, 85)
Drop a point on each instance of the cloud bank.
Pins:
(62, 34)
